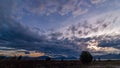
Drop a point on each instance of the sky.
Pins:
(59, 27)
(58, 13)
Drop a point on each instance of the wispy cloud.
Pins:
(97, 1)
(61, 7)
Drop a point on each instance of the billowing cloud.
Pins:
(94, 46)
(98, 34)
(15, 35)
(103, 24)
(10, 29)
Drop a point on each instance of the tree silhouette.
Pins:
(86, 57)
(19, 58)
(48, 59)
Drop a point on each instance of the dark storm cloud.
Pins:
(15, 35)
(13, 31)
(110, 41)
(10, 30)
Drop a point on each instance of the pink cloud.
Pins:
(97, 1)
(79, 12)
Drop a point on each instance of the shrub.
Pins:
(19, 58)
(86, 57)
(48, 59)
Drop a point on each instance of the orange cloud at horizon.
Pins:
(15, 53)
(36, 54)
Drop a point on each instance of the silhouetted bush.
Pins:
(48, 59)
(86, 57)
(19, 58)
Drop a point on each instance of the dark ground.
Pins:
(57, 64)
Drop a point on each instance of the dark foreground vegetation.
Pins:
(58, 64)
(85, 61)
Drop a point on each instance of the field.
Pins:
(57, 64)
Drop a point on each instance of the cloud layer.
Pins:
(70, 42)
(62, 7)
(96, 34)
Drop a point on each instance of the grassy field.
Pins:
(57, 64)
